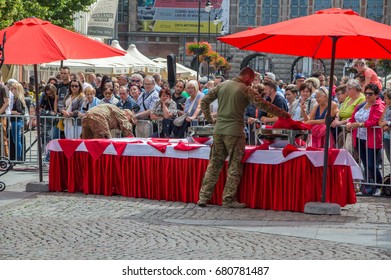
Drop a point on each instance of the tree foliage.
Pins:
(59, 12)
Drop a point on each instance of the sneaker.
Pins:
(233, 204)
(201, 203)
(358, 193)
(377, 192)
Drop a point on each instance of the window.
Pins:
(322, 4)
(247, 10)
(270, 11)
(298, 8)
(375, 10)
(352, 4)
(123, 11)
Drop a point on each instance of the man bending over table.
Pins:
(228, 136)
(98, 121)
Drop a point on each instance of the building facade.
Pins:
(154, 26)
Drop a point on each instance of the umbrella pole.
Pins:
(328, 120)
(38, 123)
(317, 207)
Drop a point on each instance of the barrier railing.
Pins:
(22, 138)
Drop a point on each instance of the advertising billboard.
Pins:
(181, 16)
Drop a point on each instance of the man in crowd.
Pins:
(228, 136)
(98, 121)
(125, 102)
(273, 98)
(269, 76)
(137, 80)
(63, 87)
(146, 101)
(123, 81)
(177, 94)
(299, 79)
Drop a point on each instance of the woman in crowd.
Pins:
(48, 106)
(116, 90)
(164, 110)
(368, 73)
(252, 117)
(385, 123)
(17, 122)
(73, 103)
(307, 103)
(353, 99)
(90, 100)
(318, 116)
(192, 108)
(293, 102)
(108, 96)
(368, 139)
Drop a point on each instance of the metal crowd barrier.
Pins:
(148, 128)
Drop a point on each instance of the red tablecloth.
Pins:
(284, 186)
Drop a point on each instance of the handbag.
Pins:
(179, 120)
(60, 124)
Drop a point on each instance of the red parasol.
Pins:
(312, 36)
(331, 33)
(36, 41)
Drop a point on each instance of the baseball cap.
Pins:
(299, 76)
(270, 75)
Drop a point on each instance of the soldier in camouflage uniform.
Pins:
(228, 136)
(98, 121)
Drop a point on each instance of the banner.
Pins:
(180, 16)
(102, 21)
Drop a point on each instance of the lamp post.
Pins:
(216, 22)
(208, 8)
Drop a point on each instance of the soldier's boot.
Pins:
(233, 204)
(202, 203)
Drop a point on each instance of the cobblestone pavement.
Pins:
(75, 226)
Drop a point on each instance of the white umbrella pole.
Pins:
(38, 123)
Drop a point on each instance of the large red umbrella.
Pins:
(36, 41)
(331, 33)
(313, 36)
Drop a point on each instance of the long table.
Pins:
(173, 171)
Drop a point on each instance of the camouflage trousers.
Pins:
(92, 129)
(223, 146)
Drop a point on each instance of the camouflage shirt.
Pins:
(112, 115)
(233, 97)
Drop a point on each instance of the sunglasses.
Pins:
(135, 81)
(74, 86)
(369, 93)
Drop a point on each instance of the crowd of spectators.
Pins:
(357, 107)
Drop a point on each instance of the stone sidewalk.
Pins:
(78, 226)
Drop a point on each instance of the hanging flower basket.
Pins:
(194, 48)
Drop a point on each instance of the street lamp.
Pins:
(216, 22)
(208, 8)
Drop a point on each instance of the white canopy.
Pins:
(131, 62)
(181, 71)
